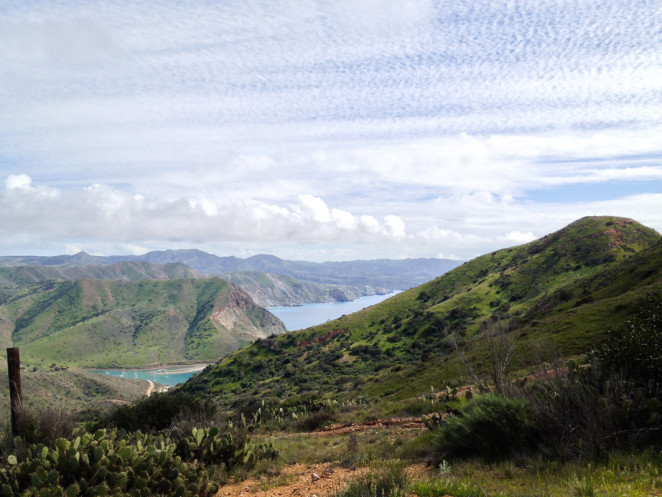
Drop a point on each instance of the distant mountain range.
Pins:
(132, 311)
(553, 297)
(268, 279)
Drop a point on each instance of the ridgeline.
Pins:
(555, 296)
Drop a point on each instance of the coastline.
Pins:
(160, 369)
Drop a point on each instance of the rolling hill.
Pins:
(556, 295)
(102, 323)
(16, 276)
(376, 276)
(268, 289)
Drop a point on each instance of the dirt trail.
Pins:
(297, 480)
(150, 388)
(376, 424)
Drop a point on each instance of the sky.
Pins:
(324, 130)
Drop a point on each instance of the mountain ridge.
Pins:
(558, 293)
(389, 274)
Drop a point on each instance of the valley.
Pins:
(559, 336)
(555, 297)
(269, 280)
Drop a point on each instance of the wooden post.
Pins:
(15, 394)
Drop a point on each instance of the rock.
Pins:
(314, 477)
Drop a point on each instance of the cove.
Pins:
(169, 376)
(304, 316)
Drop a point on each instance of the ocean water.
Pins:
(307, 315)
(162, 376)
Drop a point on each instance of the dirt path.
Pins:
(297, 481)
(150, 388)
(376, 424)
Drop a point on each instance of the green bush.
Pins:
(491, 426)
(315, 420)
(158, 411)
(584, 412)
(392, 482)
(635, 351)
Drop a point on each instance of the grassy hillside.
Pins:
(558, 294)
(71, 390)
(17, 281)
(125, 271)
(104, 323)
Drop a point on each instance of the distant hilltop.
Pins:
(268, 279)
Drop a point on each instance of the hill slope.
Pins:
(265, 289)
(268, 289)
(559, 292)
(15, 276)
(380, 275)
(104, 323)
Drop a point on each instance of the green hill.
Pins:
(125, 271)
(104, 323)
(558, 293)
(76, 391)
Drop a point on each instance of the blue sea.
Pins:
(166, 376)
(307, 315)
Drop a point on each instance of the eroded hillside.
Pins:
(123, 323)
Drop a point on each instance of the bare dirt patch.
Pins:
(295, 480)
(376, 424)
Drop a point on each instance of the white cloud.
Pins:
(101, 212)
(519, 238)
(407, 125)
(135, 249)
(18, 182)
(70, 249)
(313, 208)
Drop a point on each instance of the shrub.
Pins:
(392, 482)
(584, 412)
(613, 402)
(491, 426)
(43, 427)
(315, 420)
(635, 351)
(158, 411)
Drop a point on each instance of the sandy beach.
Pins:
(191, 368)
(159, 369)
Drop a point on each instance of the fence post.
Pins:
(15, 394)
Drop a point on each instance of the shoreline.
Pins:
(157, 370)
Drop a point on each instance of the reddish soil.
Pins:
(297, 481)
